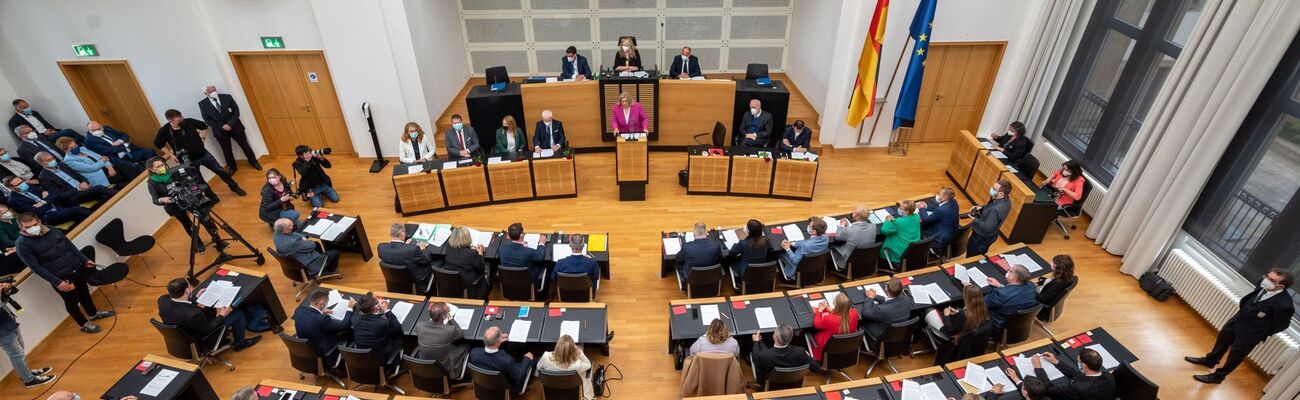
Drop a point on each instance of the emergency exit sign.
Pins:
(272, 42)
(85, 50)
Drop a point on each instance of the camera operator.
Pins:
(12, 341)
(54, 258)
(312, 180)
(160, 177)
(277, 199)
(183, 137)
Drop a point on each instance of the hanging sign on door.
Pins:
(311, 76)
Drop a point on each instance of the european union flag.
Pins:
(922, 25)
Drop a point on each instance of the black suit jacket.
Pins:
(699, 253)
(60, 191)
(1052, 291)
(199, 323)
(543, 140)
(381, 333)
(227, 114)
(764, 132)
(467, 262)
(879, 314)
(768, 358)
(1080, 386)
(27, 153)
(18, 120)
(416, 261)
(1015, 149)
(1257, 320)
(320, 330)
(692, 67)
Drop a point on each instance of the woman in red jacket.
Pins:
(829, 321)
(1067, 181)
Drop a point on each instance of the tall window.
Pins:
(1249, 211)
(1124, 57)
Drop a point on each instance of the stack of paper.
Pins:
(560, 251)
(672, 246)
(766, 319)
(1024, 260)
(519, 330)
(793, 233)
(571, 328)
(832, 225)
(338, 228)
(997, 377)
(337, 304)
(937, 294)
(708, 313)
(1026, 368)
(977, 377)
(400, 309)
(219, 294)
(479, 238)
(423, 233)
(730, 238)
(1108, 361)
(916, 391)
(532, 239)
(920, 294)
(464, 317)
(317, 228)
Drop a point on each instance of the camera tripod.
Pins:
(214, 224)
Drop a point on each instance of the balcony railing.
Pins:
(1236, 231)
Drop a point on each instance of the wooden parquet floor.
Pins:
(1159, 333)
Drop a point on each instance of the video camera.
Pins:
(6, 295)
(188, 190)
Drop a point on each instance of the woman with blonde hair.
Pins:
(467, 259)
(627, 58)
(568, 356)
(900, 232)
(414, 148)
(716, 339)
(510, 137)
(833, 320)
(628, 116)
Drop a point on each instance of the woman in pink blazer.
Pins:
(628, 116)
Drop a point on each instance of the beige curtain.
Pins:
(1285, 385)
(1219, 74)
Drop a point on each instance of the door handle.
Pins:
(307, 108)
(938, 97)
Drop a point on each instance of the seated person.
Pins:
(548, 134)
(26, 198)
(781, 354)
(568, 356)
(1031, 388)
(25, 116)
(10, 165)
(66, 186)
(900, 232)
(461, 140)
(277, 199)
(115, 144)
(466, 258)
(315, 322)
(941, 221)
(756, 126)
(9, 261)
(441, 339)
(954, 324)
(1004, 301)
(399, 251)
(510, 137)
(881, 312)
(293, 244)
(857, 232)
(491, 358)
(579, 262)
(94, 167)
(204, 324)
(516, 253)
(796, 251)
(830, 320)
(1050, 290)
(1066, 184)
(702, 252)
(31, 144)
(627, 58)
(628, 116)
(1088, 381)
(716, 339)
(377, 329)
(574, 66)
(754, 248)
(414, 146)
(685, 65)
(797, 137)
(1013, 143)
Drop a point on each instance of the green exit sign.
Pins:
(272, 42)
(85, 50)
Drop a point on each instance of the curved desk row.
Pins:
(445, 184)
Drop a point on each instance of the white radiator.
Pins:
(1049, 158)
(1216, 301)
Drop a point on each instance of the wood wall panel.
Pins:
(576, 104)
(693, 107)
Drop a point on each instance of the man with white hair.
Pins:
(222, 114)
(756, 127)
(549, 133)
(293, 244)
(115, 144)
(491, 358)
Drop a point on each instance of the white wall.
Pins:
(813, 32)
(439, 52)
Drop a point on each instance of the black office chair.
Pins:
(517, 283)
(841, 353)
(185, 347)
(1132, 385)
(1051, 312)
(758, 278)
(861, 263)
(297, 273)
(303, 358)
(704, 282)
(560, 385)
(365, 368)
(490, 385)
(957, 245)
(450, 284)
(497, 74)
(755, 71)
(397, 279)
(430, 377)
(811, 270)
(574, 288)
(974, 342)
(1017, 328)
(895, 342)
(1073, 211)
(113, 235)
(108, 275)
(915, 256)
(719, 135)
(784, 378)
(1028, 165)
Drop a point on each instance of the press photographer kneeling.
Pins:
(312, 180)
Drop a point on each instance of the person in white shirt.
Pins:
(415, 147)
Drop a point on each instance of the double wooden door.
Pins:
(293, 98)
(956, 86)
(110, 94)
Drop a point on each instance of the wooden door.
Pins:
(291, 107)
(110, 94)
(956, 86)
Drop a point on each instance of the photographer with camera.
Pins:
(54, 258)
(312, 180)
(160, 183)
(11, 340)
(277, 199)
(181, 140)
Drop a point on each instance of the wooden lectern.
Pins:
(633, 167)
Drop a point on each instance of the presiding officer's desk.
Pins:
(974, 168)
(442, 184)
(750, 172)
(156, 377)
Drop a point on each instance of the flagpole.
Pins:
(892, 76)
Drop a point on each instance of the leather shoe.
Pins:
(238, 191)
(1200, 361)
(256, 165)
(247, 343)
(1209, 378)
(231, 169)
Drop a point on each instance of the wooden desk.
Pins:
(510, 181)
(418, 192)
(751, 175)
(794, 178)
(577, 104)
(796, 393)
(708, 174)
(974, 170)
(1021, 195)
(465, 185)
(695, 106)
(965, 148)
(554, 177)
(633, 164)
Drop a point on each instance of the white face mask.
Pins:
(97, 132)
(33, 230)
(938, 199)
(810, 233)
(1065, 173)
(1267, 285)
(7, 215)
(569, 58)
(31, 135)
(625, 48)
(754, 111)
(212, 94)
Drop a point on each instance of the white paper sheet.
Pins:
(690, 237)
(997, 376)
(931, 391)
(423, 233)
(987, 145)
(318, 227)
(519, 330)
(159, 382)
(671, 246)
(213, 293)
(937, 294)
(401, 309)
(797, 155)
(708, 313)
(1052, 372)
(978, 277)
(336, 229)
(480, 238)
(812, 157)
(1025, 260)
(977, 377)
(414, 168)
(832, 225)
(830, 297)
(227, 297)
(532, 239)
(920, 294)
(464, 317)
(730, 238)
(998, 154)
(959, 272)
(559, 251)
(340, 305)
(440, 236)
(792, 232)
(1026, 368)
(571, 328)
(911, 390)
(1108, 361)
(697, 78)
(546, 153)
(449, 165)
(880, 291)
(552, 79)
(766, 320)
(497, 160)
(351, 397)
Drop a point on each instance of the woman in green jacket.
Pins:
(900, 232)
(504, 135)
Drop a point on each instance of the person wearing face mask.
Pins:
(221, 113)
(1265, 311)
(856, 232)
(548, 134)
(797, 137)
(186, 135)
(1066, 183)
(941, 221)
(31, 145)
(685, 65)
(816, 242)
(1087, 380)
(53, 257)
(14, 166)
(628, 116)
(756, 126)
(94, 167)
(115, 144)
(1004, 301)
(312, 179)
(9, 261)
(510, 137)
(66, 186)
(25, 115)
(160, 177)
(415, 147)
(277, 199)
(627, 58)
(573, 65)
(205, 324)
(460, 139)
(1013, 142)
(1051, 290)
(988, 219)
(293, 244)
(28, 198)
(900, 232)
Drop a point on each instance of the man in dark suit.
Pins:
(376, 328)
(702, 252)
(516, 253)
(32, 144)
(67, 187)
(1265, 311)
(115, 144)
(549, 133)
(1004, 301)
(578, 263)
(460, 139)
(202, 323)
(756, 126)
(222, 114)
(491, 358)
(797, 137)
(685, 65)
(27, 198)
(574, 65)
(413, 256)
(315, 322)
(940, 221)
(1090, 383)
(782, 354)
(879, 313)
(24, 115)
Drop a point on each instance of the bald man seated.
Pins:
(549, 133)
